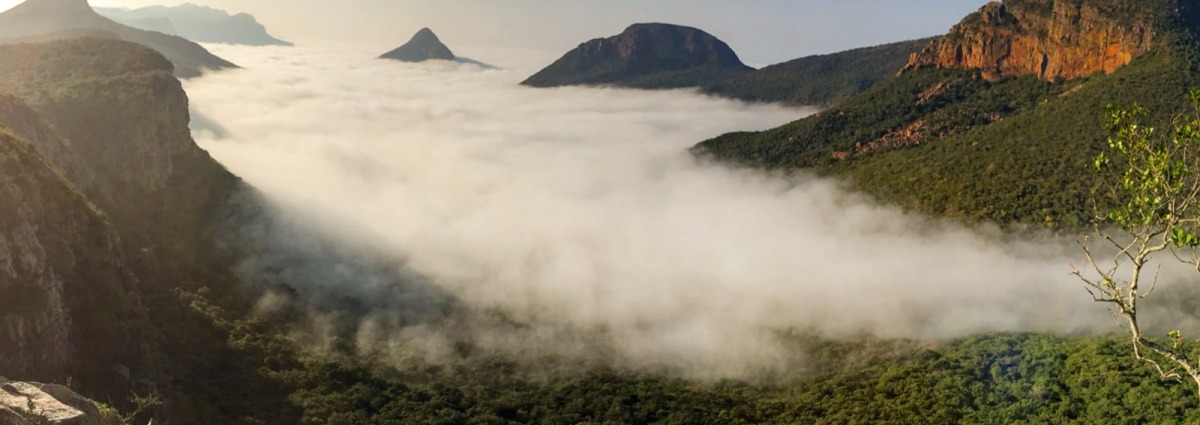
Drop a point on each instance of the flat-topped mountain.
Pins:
(1012, 97)
(645, 56)
(197, 23)
(66, 18)
(423, 46)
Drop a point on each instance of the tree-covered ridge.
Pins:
(948, 142)
(985, 379)
(820, 80)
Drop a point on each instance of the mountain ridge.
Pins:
(650, 55)
(197, 23)
(46, 18)
(955, 141)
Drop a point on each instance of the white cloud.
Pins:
(580, 207)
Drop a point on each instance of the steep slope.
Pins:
(994, 141)
(197, 23)
(1053, 40)
(113, 113)
(46, 17)
(423, 46)
(821, 80)
(64, 286)
(653, 56)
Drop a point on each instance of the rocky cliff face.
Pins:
(1053, 39)
(106, 207)
(645, 56)
(64, 287)
(423, 46)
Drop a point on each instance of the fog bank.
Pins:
(580, 209)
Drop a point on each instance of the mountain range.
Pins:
(998, 119)
(117, 253)
(666, 56)
(36, 20)
(201, 24)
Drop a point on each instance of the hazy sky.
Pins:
(761, 31)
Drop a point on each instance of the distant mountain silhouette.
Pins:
(423, 46)
(645, 56)
(197, 23)
(66, 18)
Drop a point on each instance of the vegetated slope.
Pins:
(1001, 143)
(820, 80)
(423, 46)
(69, 304)
(197, 23)
(35, 18)
(112, 115)
(997, 378)
(648, 56)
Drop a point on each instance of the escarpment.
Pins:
(110, 210)
(1052, 39)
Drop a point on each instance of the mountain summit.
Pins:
(52, 18)
(197, 23)
(645, 56)
(423, 46)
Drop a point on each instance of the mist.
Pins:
(577, 211)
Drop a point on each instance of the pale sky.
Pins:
(761, 31)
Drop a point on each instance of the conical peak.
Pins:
(425, 35)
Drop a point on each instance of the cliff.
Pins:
(197, 23)
(997, 104)
(69, 304)
(112, 210)
(46, 18)
(1052, 39)
(645, 56)
(423, 46)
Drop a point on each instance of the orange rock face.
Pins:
(1053, 39)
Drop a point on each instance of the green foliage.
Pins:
(820, 80)
(1016, 152)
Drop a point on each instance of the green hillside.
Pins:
(947, 142)
(820, 80)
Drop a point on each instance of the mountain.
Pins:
(111, 214)
(653, 56)
(65, 18)
(423, 46)
(820, 80)
(197, 23)
(998, 119)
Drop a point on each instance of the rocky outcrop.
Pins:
(645, 56)
(64, 286)
(36, 18)
(1053, 39)
(423, 46)
(129, 217)
(31, 403)
(197, 23)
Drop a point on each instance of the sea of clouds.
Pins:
(579, 208)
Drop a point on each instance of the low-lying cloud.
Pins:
(580, 209)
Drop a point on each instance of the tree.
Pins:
(1152, 180)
